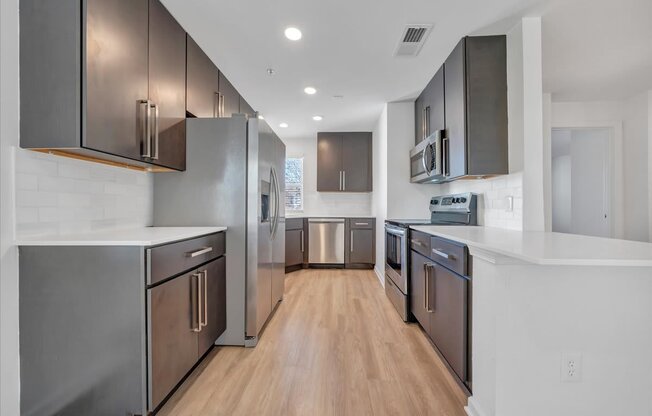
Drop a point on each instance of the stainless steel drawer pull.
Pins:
(146, 129)
(199, 252)
(361, 223)
(205, 286)
(302, 242)
(154, 139)
(442, 254)
(351, 241)
(416, 242)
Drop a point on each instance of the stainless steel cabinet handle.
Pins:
(416, 242)
(221, 109)
(426, 279)
(442, 254)
(351, 241)
(344, 180)
(199, 252)
(205, 275)
(302, 242)
(155, 131)
(361, 223)
(427, 121)
(340, 181)
(146, 128)
(423, 123)
(198, 299)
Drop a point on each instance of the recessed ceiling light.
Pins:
(270, 71)
(317, 118)
(293, 33)
(310, 90)
(283, 125)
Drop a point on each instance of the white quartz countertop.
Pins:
(545, 248)
(145, 236)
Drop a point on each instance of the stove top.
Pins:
(460, 209)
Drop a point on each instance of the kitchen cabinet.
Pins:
(476, 108)
(429, 108)
(439, 297)
(202, 83)
(295, 244)
(344, 162)
(167, 86)
(143, 317)
(230, 97)
(93, 102)
(360, 244)
(246, 109)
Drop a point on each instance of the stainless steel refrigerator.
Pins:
(235, 177)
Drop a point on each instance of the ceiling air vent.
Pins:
(412, 40)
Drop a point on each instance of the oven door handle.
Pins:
(395, 231)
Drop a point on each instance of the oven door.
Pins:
(426, 160)
(396, 254)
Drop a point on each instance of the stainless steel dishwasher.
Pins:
(326, 241)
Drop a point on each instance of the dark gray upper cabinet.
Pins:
(202, 83)
(430, 109)
(245, 108)
(167, 85)
(360, 243)
(230, 97)
(94, 98)
(344, 162)
(476, 108)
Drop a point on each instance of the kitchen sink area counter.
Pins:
(541, 302)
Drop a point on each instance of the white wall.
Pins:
(324, 203)
(9, 362)
(64, 195)
(380, 190)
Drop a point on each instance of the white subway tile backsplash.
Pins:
(61, 195)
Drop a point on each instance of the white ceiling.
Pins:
(597, 49)
(347, 49)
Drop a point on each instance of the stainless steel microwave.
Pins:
(427, 160)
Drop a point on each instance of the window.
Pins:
(294, 184)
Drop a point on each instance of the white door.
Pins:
(582, 181)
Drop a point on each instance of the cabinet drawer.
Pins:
(293, 224)
(361, 223)
(450, 254)
(171, 259)
(420, 242)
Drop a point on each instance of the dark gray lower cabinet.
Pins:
(360, 243)
(89, 317)
(439, 301)
(295, 244)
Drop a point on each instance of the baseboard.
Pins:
(473, 408)
(380, 275)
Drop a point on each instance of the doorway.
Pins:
(582, 181)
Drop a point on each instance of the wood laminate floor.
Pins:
(334, 347)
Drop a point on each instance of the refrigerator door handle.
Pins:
(277, 201)
(272, 200)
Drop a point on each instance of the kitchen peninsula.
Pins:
(551, 308)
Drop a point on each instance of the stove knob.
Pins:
(463, 200)
(456, 200)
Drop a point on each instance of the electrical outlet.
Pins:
(571, 367)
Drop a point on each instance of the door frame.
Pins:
(615, 166)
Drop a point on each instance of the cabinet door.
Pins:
(115, 75)
(245, 108)
(202, 84)
(167, 84)
(294, 244)
(434, 103)
(329, 162)
(361, 244)
(172, 343)
(230, 97)
(455, 93)
(356, 162)
(418, 120)
(418, 289)
(448, 321)
(214, 307)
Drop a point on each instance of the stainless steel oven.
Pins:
(427, 160)
(396, 267)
